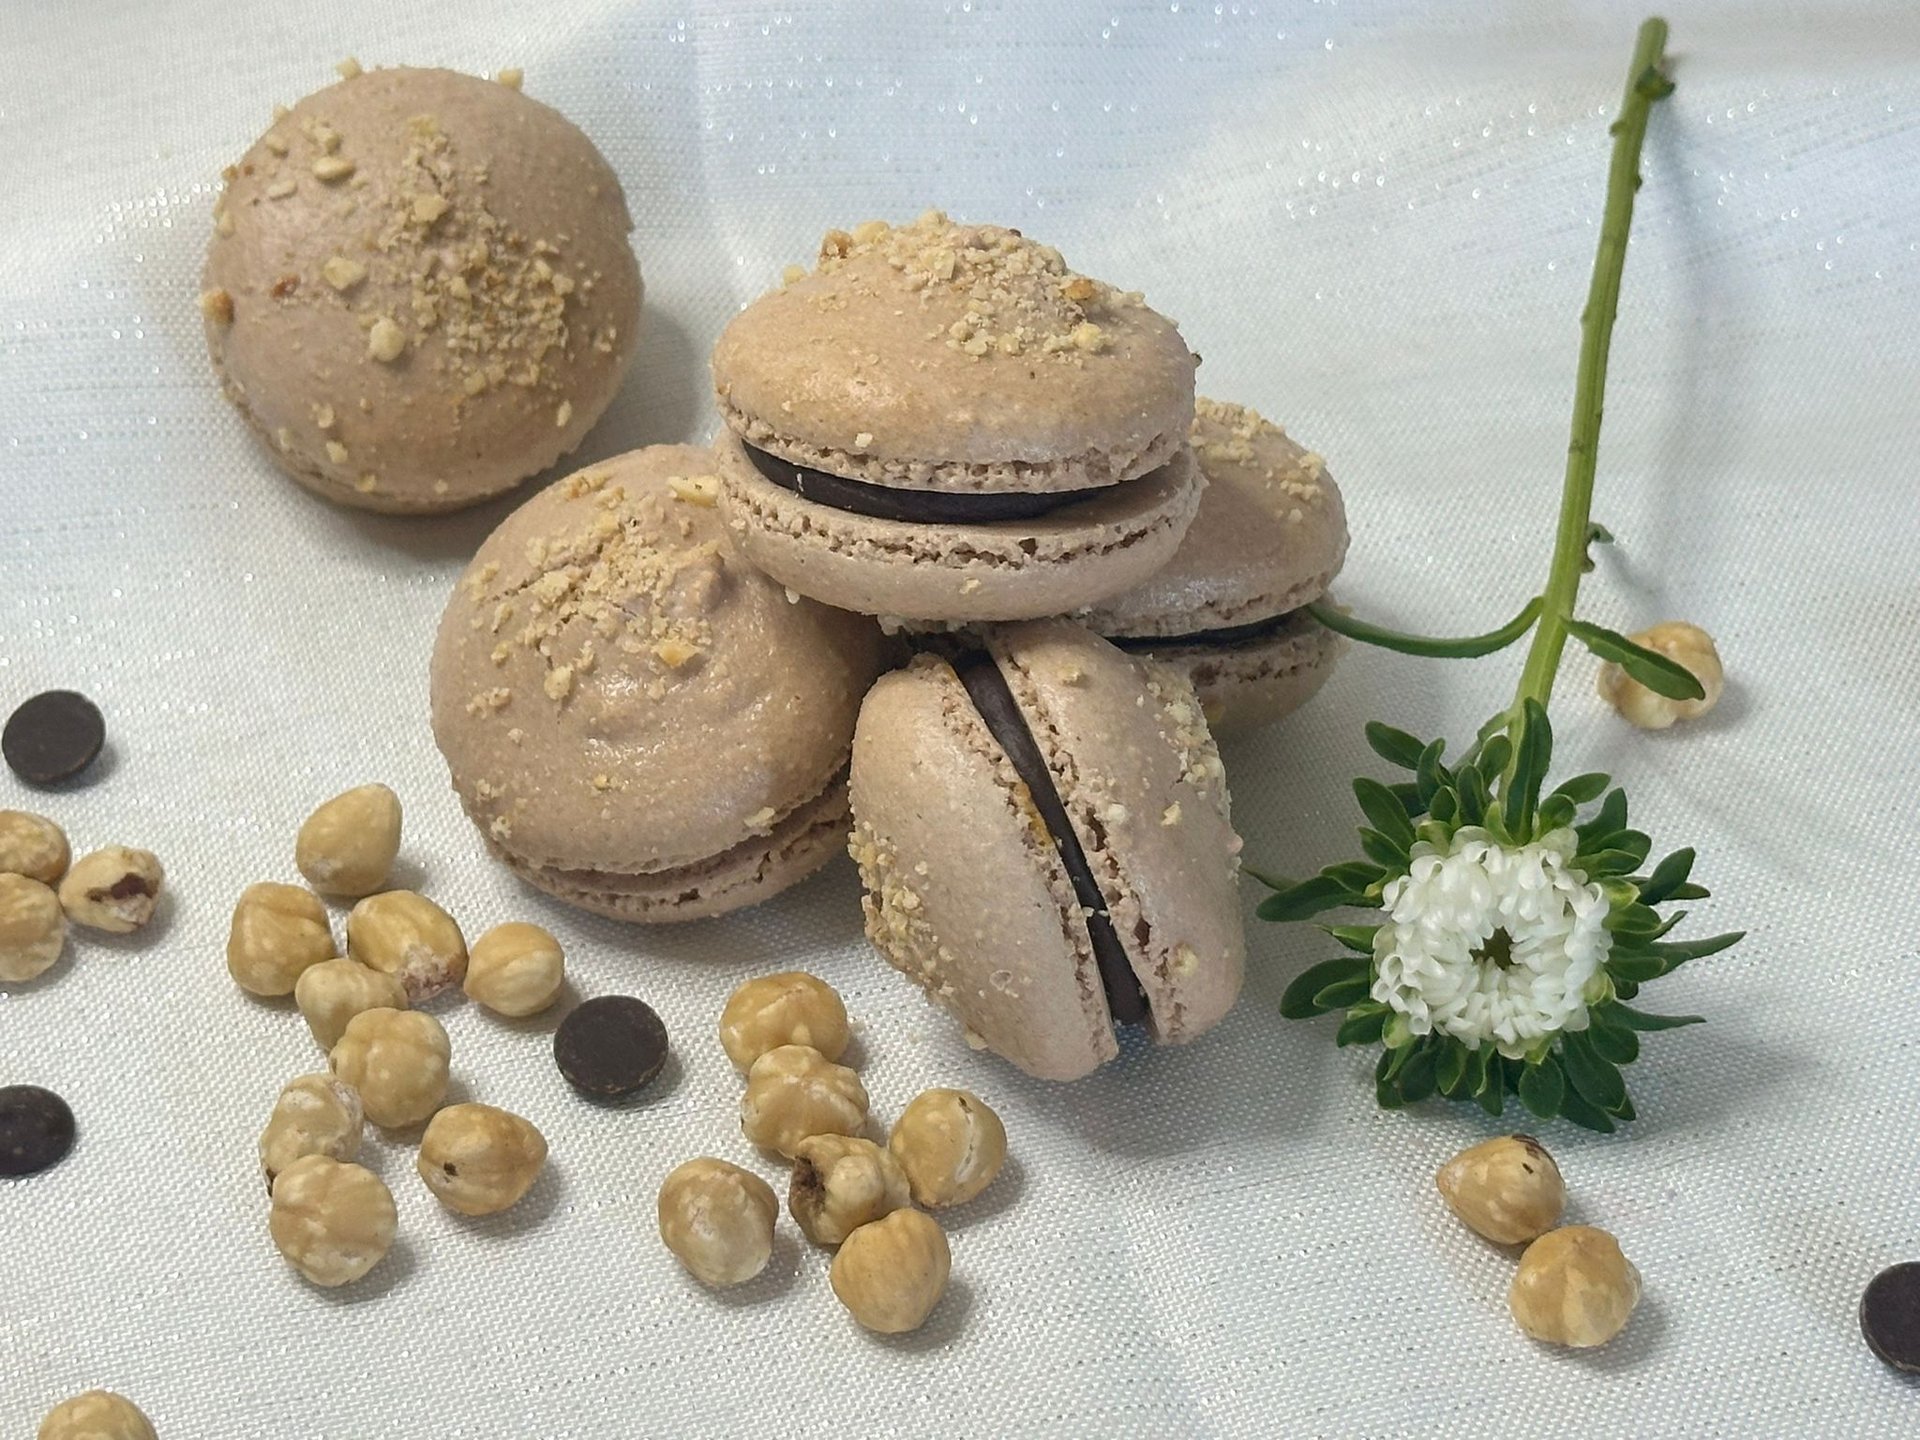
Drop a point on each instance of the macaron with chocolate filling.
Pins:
(1227, 610)
(419, 289)
(944, 422)
(1042, 829)
(639, 722)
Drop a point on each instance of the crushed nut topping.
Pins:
(217, 306)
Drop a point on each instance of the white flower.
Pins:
(1491, 943)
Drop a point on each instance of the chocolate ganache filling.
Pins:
(919, 507)
(992, 697)
(1225, 635)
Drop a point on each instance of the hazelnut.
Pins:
(1686, 645)
(97, 1415)
(841, 1182)
(717, 1219)
(407, 936)
(33, 846)
(278, 932)
(1574, 1287)
(793, 1008)
(891, 1274)
(951, 1145)
(33, 928)
(114, 889)
(397, 1060)
(794, 1093)
(334, 991)
(346, 847)
(1507, 1189)
(515, 969)
(315, 1115)
(479, 1160)
(334, 1222)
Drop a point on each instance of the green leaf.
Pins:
(1667, 924)
(1667, 877)
(1382, 850)
(1542, 1087)
(1452, 1069)
(1593, 1078)
(1624, 1110)
(1465, 647)
(1491, 1091)
(1632, 842)
(1520, 794)
(1584, 789)
(1356, 875)
(1690, 891)
(1357, 938)
(1634, 920)
(1417, 1076)
(1432, 774)
(1472, 790)
(1586, 1116)
(1340, 994)
(1301, 1002)
(1272, 882)
(1396, 747)
(1307, 899)
(1393, 1062)
(1634, 969)
(1495, 754)
(1408, 794)
(1651, 668)
(1446, 805)
(1362, 1025)
(1677, 952)
(1556, 812)
(1386, 814)
(1642, 1020)
(1608, 862)
(1611, 817)
(1618, 1046)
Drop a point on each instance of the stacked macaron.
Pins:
(1228, 610)
(419, 289)
(661, 709)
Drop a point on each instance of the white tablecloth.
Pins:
(1375, 222)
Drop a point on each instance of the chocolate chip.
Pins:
(36, 1129)
(1890, 1316)
(610, 1046)
(53, 736)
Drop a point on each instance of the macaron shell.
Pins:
(965, 892)
(1270, 535)
(617, 692)
(534, 230)
(1142, 782)
(1002, 571)
(751, 872)
(855, 368)
(1251, 683)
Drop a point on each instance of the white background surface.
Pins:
(1375, 222)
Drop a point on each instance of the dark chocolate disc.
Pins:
(610, 1046)
(1890, 1316)
(52, 737)
(36, 1129)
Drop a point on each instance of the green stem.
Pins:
(1466, 647)
(1645, 84)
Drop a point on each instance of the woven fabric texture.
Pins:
(1375, 223)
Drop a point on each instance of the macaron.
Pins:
(1227, 609)
(420, 289)
(1043, 833)
(639, 722)
(942, 421)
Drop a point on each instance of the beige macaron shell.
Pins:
(1249, 683)
(1270, 535)
(1003, 571)
(519, 301)
(965, 892)
(750, 872)
(1142, 782)
(855, 368)
(684, 704)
